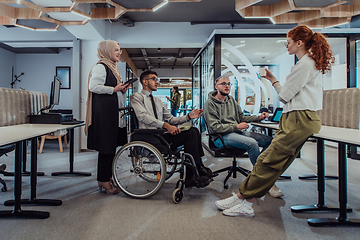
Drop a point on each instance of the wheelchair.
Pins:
(140, 169)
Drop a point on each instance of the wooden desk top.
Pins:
(16, 133)
(334, 134)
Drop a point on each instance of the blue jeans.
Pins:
(174, 112)
(246, 140)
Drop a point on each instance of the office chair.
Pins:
(227, 151)
(3, 151)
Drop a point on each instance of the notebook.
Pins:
(275, 118)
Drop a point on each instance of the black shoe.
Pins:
(209, 173)
(203, 181)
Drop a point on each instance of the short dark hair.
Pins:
(146, 74)
(176, 88)
(221, 77)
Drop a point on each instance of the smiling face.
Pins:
(115, 56)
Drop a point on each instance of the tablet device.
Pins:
(131, 81)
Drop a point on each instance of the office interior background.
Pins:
(177, 39)
(188, 43)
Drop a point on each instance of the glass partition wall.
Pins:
(239, 57)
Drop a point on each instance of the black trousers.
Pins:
(190, 139)
(104, 168)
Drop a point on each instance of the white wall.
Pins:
(7, 61)
(39, 71)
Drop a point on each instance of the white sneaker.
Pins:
(275, 192)
(243, 209)
(228, 202)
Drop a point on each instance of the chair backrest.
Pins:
(6, 149)
(134, 122)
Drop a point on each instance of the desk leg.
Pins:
(33, 183)
(71, 172)
(321, 184)
(342, 219)
(18, 213)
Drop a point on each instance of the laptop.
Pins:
(275, 118)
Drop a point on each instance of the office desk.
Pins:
(18, 134)
(342, 136)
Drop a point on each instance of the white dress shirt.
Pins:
(141, 103)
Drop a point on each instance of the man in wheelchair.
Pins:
(152, 114)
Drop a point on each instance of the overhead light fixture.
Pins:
(160, 5)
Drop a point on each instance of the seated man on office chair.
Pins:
(152, 114)
(224, 115)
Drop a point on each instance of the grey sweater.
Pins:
(222, 117)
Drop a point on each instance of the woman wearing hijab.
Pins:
(106, 93)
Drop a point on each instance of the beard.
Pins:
(223, 93)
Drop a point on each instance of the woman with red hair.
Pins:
(302, 97)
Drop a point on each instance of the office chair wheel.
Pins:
(139, 169)
(177, 195)
(4, 189)
(226, 186)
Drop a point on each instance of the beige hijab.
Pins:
(105, 50)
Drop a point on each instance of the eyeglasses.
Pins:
(286, 44)
(153, 78)
(120, 51)
(225, 84)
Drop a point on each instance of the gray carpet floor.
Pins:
(88, 214)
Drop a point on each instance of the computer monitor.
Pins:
(54, 94)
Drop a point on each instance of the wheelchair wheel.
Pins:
(177, 195)
(139, 169)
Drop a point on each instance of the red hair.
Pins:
(316, 44)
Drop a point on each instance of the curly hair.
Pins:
(316, 44)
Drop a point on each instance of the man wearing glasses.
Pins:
(224, 115)
(152, 114)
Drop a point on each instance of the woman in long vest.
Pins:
(106, 93)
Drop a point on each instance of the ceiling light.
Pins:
(160, 5)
